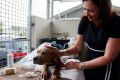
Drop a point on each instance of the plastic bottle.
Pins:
(10, 59)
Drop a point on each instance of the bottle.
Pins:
(10, 59)
(65, 35)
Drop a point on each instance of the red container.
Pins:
(18, 55)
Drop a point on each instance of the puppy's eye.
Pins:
(38, 51)
(43, 53)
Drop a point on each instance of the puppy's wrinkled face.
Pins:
(44, 56)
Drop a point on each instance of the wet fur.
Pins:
(48, 57)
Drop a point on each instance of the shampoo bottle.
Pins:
(10, 61)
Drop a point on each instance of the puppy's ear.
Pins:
(55, 56)
(54, 53)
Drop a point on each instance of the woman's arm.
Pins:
(79, 43)
(111, 52)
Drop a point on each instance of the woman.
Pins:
(100, 29)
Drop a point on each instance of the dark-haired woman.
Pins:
(100, 29)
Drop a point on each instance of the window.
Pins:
(67, 10)
(14, 27)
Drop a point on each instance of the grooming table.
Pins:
(20, 71)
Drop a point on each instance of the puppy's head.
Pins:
(44, 56)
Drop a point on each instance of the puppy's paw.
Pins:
(42, 76)
(53, 77)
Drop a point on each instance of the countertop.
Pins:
(20, 71)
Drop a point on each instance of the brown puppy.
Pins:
(48, 57)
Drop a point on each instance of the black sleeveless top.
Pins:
(96, 37)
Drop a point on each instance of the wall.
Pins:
(40, 29)
(69, 26)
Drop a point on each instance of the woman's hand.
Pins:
(55, 50)
(72, 65)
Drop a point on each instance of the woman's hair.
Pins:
(105, 9)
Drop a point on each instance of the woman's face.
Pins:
(91, 10)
